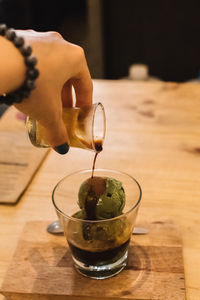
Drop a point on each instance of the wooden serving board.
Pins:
(19, 160)
(42, 269)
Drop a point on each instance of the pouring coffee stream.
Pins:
(55, 227)
(92, 199)
(98, 147)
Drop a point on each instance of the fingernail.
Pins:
(62, 149)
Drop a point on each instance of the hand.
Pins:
(61, 66)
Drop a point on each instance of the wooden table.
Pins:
(153, 133)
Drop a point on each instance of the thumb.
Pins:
(56, 134)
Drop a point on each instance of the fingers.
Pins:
(54, 127)
(82, 83)
(83, 89)
(66, 95)
(57, 136)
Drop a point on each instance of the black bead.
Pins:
(10, 34)
(30, 84)
(24, 93)
(3, 29)
(31, 61)
(26, 50)
(32, 73)
(18, 41)
(2, 99)
(9, 99)
(17, 99)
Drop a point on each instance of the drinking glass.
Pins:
(86, 127)
(99, 248)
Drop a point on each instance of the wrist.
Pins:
(9, 96)
(13, 69)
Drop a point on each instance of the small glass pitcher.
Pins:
(86, 127)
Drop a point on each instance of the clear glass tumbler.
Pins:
(86, 127)
(99, 248)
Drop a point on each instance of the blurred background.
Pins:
(115, 34)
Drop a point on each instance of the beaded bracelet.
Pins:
(30, 61)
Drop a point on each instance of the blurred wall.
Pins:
(165, 35)
(117, 33)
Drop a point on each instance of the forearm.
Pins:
(12, 67)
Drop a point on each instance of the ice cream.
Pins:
(101, 198)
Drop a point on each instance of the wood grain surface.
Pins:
(19, 160)
(42, 266)
(153, 133)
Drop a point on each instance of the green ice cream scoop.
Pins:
(101, 198)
